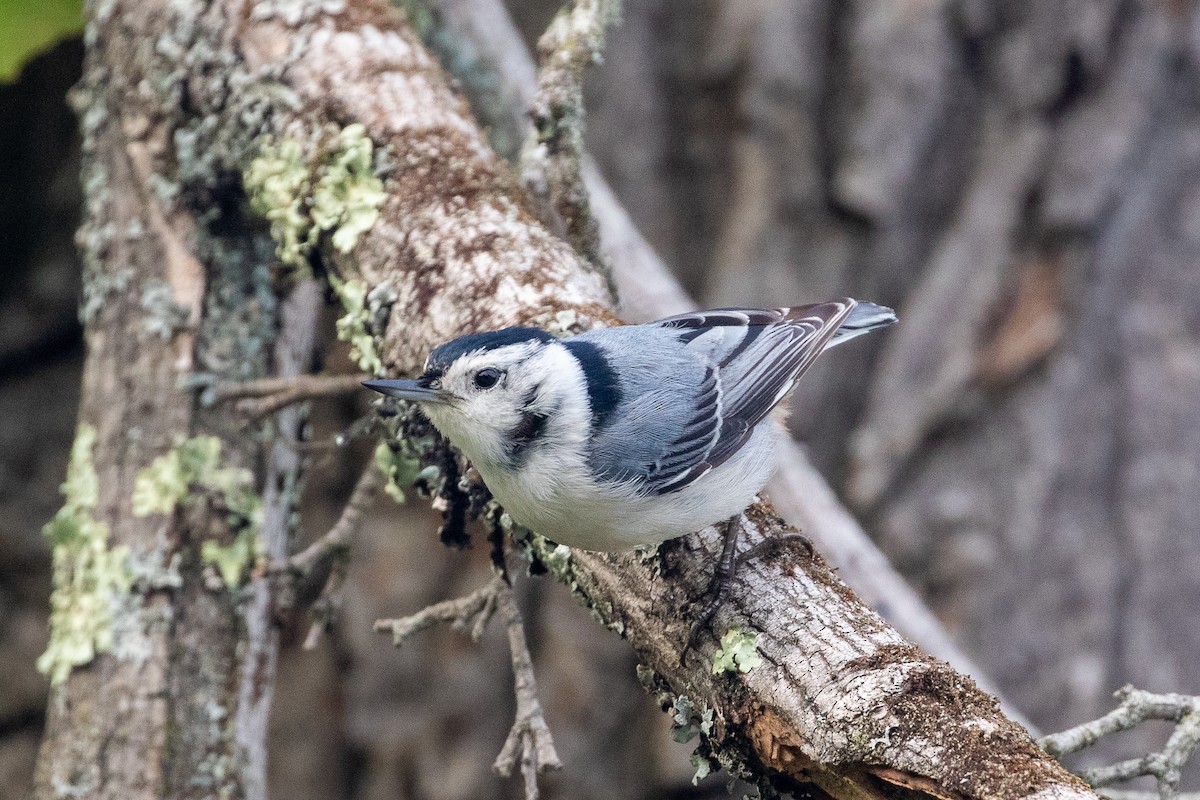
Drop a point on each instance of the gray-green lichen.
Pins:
(89, 577)
(164, 316)
(400, 462)
(365, 317)
(689, 720)
(737, 652)
(348, 193)
(341, 194)
(99, 286)
(180, 477)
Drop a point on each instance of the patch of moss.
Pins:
(738, 652)
(89, 577)
(194, 468)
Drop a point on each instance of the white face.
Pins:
(488, 392)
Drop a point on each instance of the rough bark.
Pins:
(177, 287)
(839, 699)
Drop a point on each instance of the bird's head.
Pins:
(486, 392)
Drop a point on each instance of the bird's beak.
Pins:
(409, 390)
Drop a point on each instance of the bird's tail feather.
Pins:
(865, 318)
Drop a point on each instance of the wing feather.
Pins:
(751, 365)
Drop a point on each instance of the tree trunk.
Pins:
(162, 655)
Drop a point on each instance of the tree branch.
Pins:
(551, 162)
(529, 742)
(338, 538)
(264, 396)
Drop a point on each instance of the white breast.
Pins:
(556, 496)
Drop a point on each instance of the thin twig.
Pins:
(337, 539)
(551, 164)
(327, 607)
(470, 613)
(333, 547)
(1137, 706)
(267, 395)
(529, 739)
(529, 742)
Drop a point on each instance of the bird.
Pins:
(630, 435)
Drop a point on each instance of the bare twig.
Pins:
(550, 164)
(332, 547)
(1137, 706)
(470, 614)
(529, 742)
(327, 607)
(337, 539)
(529, 738)
(268, 395)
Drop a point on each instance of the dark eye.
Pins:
(487, 377)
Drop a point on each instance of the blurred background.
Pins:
(1021, 180)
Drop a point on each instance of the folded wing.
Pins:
(752, 358)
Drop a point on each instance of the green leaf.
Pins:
(28, 27)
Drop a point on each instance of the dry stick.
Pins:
(529, 742)
(529, 738)
(648, 291)
(332, 546)
(470, 614)
(268, 395)
(1137, 706)
(338, 538)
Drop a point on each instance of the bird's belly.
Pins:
(568, 508)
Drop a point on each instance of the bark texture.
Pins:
(177, 287)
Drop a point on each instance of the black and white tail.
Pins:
(865, 317)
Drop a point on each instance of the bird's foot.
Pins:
(726, 571)
(769, 547)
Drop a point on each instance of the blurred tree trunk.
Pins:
(1020, 180)
(162, 651)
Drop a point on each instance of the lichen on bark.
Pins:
(89, 577)
(304, 195)
(183, 476)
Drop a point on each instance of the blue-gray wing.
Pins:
(751, 358)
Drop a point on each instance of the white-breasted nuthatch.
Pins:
(629, 435)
